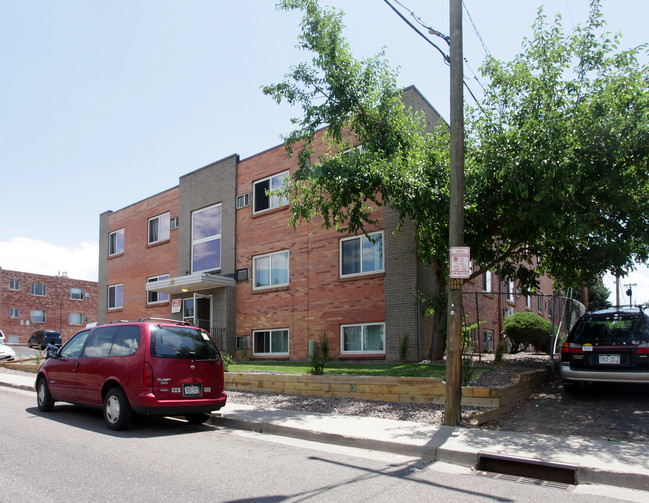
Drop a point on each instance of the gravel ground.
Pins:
(500, 374)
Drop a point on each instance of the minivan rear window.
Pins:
(612, 330)
(182, 342)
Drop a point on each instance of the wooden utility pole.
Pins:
(453, 396)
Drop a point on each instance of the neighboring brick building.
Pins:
(217, 251)
(30, 302)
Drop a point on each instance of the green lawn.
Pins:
(336, 368)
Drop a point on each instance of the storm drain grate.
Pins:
(526, 480)
(527, 468)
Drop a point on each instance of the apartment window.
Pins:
(270, 270)
(270, 342)
(37, 316)
(75, 293)
(361, 255)
(487, 281)
(159, 228)
(528, 301)
(156, 297)
(262, 200)
(363, 338)
(39, 289)
(206, 239)
(116, 242)
(511, 291)
(115, 296)
(75, 319)
(14, 312)
(540, 304)
(14, 284)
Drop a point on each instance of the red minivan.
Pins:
(150, 366)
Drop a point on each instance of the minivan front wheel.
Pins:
(117, 411)
(43, 396)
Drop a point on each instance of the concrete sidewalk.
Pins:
(621, 464)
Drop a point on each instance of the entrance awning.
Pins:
(190, 283)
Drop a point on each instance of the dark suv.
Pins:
(611, 345)
(150, 366)
(41, 338)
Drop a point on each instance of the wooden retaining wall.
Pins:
(389, 389)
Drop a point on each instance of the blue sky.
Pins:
(106, 103)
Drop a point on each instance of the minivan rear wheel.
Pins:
(43, 396)
(117, 411)
(198, 418)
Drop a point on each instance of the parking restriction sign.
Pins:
(460, 261)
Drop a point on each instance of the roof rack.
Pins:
(166, 320)
(118, 321)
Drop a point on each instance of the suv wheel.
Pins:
(117, 411)
(43, 396)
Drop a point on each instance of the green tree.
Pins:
(556, 153)
(527, 329)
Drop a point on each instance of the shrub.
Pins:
(227, 360)
(525, 329)
(403, 349)
(320, 357)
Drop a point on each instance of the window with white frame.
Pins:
(37, 316)
(270, 270)
(156, 297)
(39, 289)
(361, 255)
(116, 242)
(262, 200)
(363, 338)
(539, 307)
(487, 281)
(75, 293)
(115, 296)
(75, 318)
(159, 228)
(206, 239)
(270, 342)
(511, 291)
(14, 284)
(528, 301)
(14, 312)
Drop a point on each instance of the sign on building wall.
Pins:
(176, 305)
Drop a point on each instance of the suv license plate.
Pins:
(609, 359)
(192, 390)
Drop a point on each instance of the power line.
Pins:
(475, 29)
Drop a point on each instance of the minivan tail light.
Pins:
(147, 376)
(642, 351)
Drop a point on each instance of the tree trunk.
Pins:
(438, 340)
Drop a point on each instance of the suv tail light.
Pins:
(568, 348)
(147, 375)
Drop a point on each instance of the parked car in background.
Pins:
(611, 345)
(3, 340)
(6, 353)
(150, 367)
(41, 338)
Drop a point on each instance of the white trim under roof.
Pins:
(190, 283)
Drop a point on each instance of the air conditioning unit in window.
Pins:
(242, 274)
(243, 200)
(173, 223)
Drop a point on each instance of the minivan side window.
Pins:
(74, 346)
(126, 341)
(99, 342)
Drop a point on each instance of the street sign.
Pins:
(460, 262)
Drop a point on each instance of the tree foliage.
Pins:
(556, 153)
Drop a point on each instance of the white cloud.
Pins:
(39, 257)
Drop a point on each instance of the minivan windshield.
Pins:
(612, 330)
(182, 342)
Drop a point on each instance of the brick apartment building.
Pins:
(31, 302)
(217, 251)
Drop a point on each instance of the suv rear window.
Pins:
(612, 329)
(182, 342)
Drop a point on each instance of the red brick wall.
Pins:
(140, 260)
(56, 304)
(316, 300)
